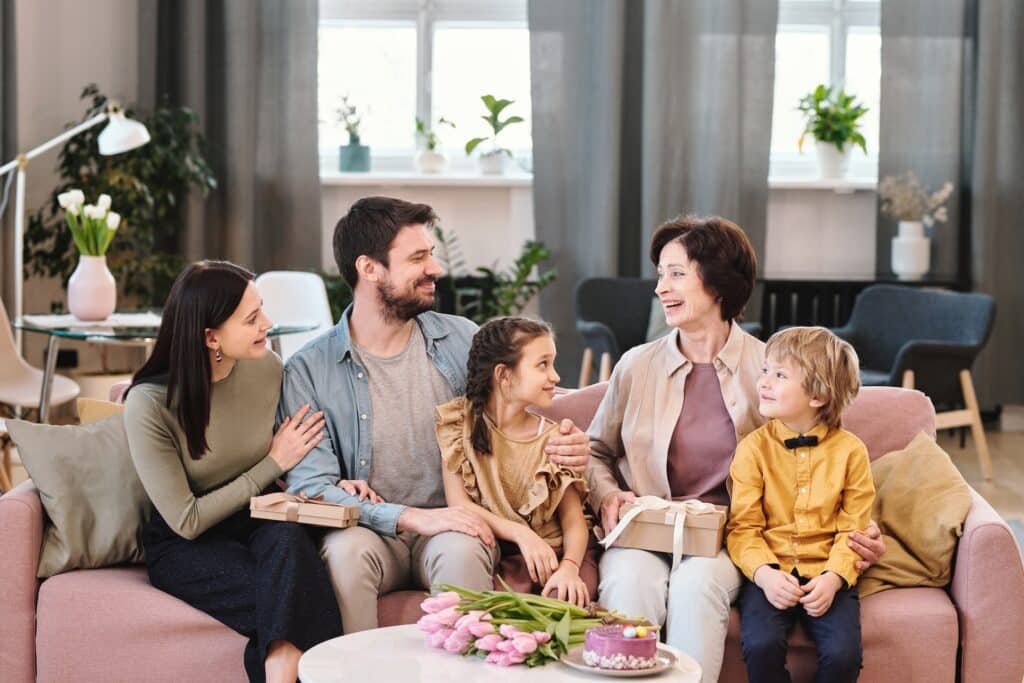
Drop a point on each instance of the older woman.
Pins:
(669, 423)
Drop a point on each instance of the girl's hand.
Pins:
(540, 559)
(295, 438)
(359, 487)
(566, 584)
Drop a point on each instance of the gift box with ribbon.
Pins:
(285, 507)
(680, 528)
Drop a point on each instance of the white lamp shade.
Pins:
(122, 134)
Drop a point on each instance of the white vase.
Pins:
(430, 161)
(831, 162)
(493, 163)
(92, 291)
(911, 251)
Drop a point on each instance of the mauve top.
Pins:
(703, 441)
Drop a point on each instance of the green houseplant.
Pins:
(430, 159)
(833, 120)
(150, 184)
(493, 160)
(355, 156)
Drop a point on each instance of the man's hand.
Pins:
(433, 521)
(781, 589)
(869, 545)
(821, 590)
(569, 448)
(610, 507)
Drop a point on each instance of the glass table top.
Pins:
(133, 326)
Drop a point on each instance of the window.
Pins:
(398, 60)
(835, 42)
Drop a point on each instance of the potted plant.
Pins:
(430, 159)
(833, 119)
(904, 199)
(494, 159)
(92, 291)
(150, 183)
(353, 157)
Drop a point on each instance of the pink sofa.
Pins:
(110, 624)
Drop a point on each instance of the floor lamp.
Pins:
(121, 135)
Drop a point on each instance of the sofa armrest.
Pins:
(988, 590)
(21, 536)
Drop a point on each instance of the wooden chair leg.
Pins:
(977, 429)
(908, 379)
(605, 373)
(586, 367)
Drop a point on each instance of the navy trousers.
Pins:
(765, 631)
(263, 579)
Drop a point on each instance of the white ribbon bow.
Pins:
(675, 514)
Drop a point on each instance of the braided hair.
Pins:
(498, 342)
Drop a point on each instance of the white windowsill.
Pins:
(837, 185)
(456, 178)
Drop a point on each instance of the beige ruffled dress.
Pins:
(517, 481)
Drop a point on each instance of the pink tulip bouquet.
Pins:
(505, 627)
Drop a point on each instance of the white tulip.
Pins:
(74, 209)
(103, 202)
(89, 210)
(113, 220)
(64, 199)
(77, 197)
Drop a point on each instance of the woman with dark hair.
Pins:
(669, 423)
(200, 422)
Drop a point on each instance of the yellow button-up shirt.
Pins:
(795, 508)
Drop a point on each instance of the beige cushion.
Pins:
(94, 410)
(921, 501)
(88, 486)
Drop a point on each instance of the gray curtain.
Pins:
(952, 93)
(997, 194)
(249, 70)
(8, 148)
(641, 111)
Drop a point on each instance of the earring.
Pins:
(217, 355)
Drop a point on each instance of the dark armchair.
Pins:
(926, 340)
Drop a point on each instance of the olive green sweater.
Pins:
(194, 495)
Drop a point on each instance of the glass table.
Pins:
(130, 328)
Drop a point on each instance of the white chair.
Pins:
(294, 297)
(20, 383)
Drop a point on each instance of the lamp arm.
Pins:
(50, 144)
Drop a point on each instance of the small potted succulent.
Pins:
(493, 160)
(430, 159)
(833, 120)
(353, 157)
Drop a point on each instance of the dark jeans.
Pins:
(765, 631)
(261, 578)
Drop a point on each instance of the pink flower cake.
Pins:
(620, 647)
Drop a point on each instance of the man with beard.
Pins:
(378, 375)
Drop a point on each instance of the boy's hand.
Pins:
(782, 590)
(821, 590)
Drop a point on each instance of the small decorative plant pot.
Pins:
(493, 163)
(92, 291)
(831, 162)
(430, 161)
(354, 158)
(911, 251)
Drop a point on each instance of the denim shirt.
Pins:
(327, 375)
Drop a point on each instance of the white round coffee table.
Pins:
(398, 653)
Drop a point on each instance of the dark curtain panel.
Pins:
(641, 111)
(952, 93)
(249, 69)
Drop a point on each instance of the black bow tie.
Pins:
(801, 441)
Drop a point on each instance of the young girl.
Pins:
(492, 449)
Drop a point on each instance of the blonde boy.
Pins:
(800, 485)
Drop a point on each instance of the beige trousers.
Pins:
(364, 565)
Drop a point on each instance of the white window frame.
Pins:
(426, 14)
(839, 16)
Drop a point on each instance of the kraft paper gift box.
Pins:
(676, 527)
(285, 507)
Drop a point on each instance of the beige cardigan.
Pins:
(631, 431)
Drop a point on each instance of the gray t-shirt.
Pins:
(404, 390)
